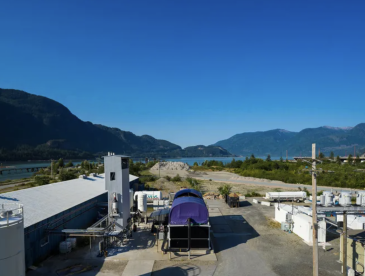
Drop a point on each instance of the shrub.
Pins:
(64, 176)
(225, 189)
(176, 178)
(168, 178)
(42, 179)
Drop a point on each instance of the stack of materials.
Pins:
(233, 200)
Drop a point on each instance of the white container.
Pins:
(151, 195)
(142, 202)
(72, 241)
(323, 200)
(131, 198)
(345, 199)
(286, 195)
(328, 198)
(65, 247)
(12, 257)
(360, 198)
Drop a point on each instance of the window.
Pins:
(112, 176)
(125, 163)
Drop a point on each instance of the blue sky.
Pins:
(191, 72)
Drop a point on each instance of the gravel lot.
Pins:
(249, 245)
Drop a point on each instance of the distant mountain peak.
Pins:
(338, 128)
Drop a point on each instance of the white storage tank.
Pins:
(328, 198)
(65, 247)
(323, 200)
(345, 199)
(360, 198)
(142, 202)
(12, 257)
(130, 198)
(72, 241)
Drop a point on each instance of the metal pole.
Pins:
(314, 212)
(159, 174)
(344, 245)
(51, 168)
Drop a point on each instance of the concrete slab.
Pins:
(265, 203)
(221, 228)
(138, 267)
(168, 268)
(213, 210)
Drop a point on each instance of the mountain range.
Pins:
(36, 127)
(340, 140)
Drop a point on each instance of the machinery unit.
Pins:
(345, 199)
(360, 198)
(12, 257)
(117, 185)
(328, 199)
(189, 226)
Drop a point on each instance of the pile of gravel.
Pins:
(169, 166)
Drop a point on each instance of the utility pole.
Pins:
(159, 174)
(314, 212)
(344, 245)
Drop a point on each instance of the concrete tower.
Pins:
(117, 185)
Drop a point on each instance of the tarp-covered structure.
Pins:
(188, 207)
(188, 192)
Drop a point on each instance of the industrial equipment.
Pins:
(296, 196)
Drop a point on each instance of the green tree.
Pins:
(321, 155)
(357, 160)
(60, 162)
(69, 164)
(42, 179)
(338, 160)
(281, 159)
(252, 157)
(332, 155)
(349, 159)
(225, 189)
(68, 175)
(195, 164)
(100, 169)
(268, 159)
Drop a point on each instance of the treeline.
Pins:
(41, 152)
(330, 173)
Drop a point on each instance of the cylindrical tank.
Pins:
(130, 198)
(323, 198)
(72, 241)
(65, 247)
(345, 199)
(142, 202)
(328, 198)
(360, 198)
(12, 257)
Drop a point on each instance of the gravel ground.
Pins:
(252, 246)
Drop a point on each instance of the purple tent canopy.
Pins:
(188, 207)
(186, 192)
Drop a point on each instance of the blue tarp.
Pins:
(188, 207)
(186, 192)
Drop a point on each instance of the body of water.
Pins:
(191, 160)
(24, 174)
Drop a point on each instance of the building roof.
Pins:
(45, 201)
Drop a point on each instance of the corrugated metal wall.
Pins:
(39, 245)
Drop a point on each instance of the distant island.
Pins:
(39, 128)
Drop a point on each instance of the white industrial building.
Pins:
(72, 204)
(300, 220)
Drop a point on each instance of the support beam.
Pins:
(344, 245)
(314, 212)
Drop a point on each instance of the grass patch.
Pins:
(273, 223)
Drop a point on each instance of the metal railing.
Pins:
(10, 213)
